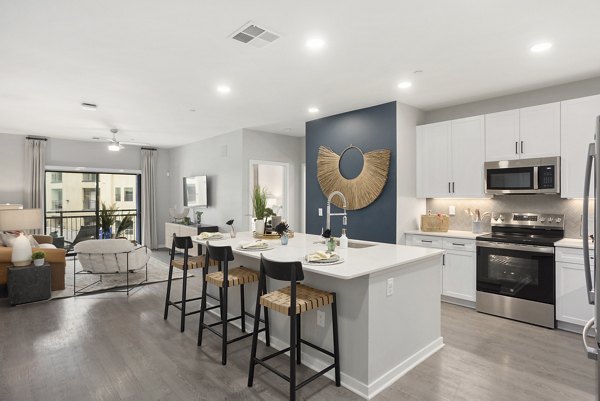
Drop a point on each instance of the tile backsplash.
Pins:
(571, 208)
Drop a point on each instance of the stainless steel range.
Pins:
(515, 267)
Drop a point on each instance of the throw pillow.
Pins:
(32, 241)
(8, 238)
(46, 246)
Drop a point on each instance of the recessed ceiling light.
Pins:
(315, 43)
(89, 106)
(113, 147)
(313, 110)
(405, 85)
(541, 47)
(223, 89)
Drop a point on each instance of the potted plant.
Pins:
(259, 206)
(38, 258)
(283, 229)
(230, 223)
(199, 217)
(125, 224)
(108, 216)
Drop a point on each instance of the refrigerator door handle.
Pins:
(592, 352)
(585, 226)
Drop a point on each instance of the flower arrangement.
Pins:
(282, 228)
(230, 223)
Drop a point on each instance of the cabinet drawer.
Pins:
(428, 241)
(572, 255)
(459, 244)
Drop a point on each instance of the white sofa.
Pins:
(110, 256)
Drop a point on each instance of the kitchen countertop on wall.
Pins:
(448, 234)
(572, 243)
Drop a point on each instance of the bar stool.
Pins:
(224, 279)
(188, 262)
(305, 299)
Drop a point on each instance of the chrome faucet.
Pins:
(329, 214)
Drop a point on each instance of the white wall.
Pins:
(408, 207)
(220, 159)
(12, 151)
(265, 146)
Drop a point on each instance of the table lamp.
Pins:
(18, 220)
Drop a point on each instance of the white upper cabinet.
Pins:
(523, 134)
(502, 136)
(450, 157)
(540, 131)
(578, 123)
(433, 160)
(468, 143)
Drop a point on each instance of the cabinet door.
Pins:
(578, 124)
(170, 229)
(433, 160)
(502, 136)
(468, 148)
(190, 231)
(571, 294)
(540, 131)
(458, 277)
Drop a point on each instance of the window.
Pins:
(128, 194)
(117, 194)
(88, 177)
(56, 198)
(89, 198)
(55, 177)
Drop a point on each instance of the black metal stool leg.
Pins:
(267, 330)
(168, 298)
(255, 337)
(224, 320)
(243, 308)
(292, 356)
(336, 345)
(183, 298)
(298, 338)
(202, 307)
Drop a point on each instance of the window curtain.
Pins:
(35, 169)
(149, 229)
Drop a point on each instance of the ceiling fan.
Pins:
(114, 144)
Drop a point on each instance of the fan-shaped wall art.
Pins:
(361, 190)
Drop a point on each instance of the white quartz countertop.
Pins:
(572, 243)
(357, 261)
(448, 234)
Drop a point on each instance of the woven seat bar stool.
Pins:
(225, 278)
(304, 299)
(186, 263)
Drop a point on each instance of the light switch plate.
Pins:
(452, 210)
(389, 291)
(320, 211)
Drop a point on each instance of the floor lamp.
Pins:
(18, 220)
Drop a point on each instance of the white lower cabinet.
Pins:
(571, 292)
(459, 268)
(181, 231)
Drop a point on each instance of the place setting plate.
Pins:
(266, 247)
(333, 260)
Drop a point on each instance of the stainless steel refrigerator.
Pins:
(592, 172)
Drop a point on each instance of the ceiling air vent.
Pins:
(254, 35)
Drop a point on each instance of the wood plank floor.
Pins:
(110, 347)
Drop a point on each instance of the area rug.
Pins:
(158, 271)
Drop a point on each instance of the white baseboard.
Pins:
(359, 388)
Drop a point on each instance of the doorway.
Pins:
(274, 178)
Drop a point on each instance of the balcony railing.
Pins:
(67, 223)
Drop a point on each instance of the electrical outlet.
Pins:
(320, 318)
(320, 211)
(452, 210)
(389, 287)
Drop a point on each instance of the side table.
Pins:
(28, 283)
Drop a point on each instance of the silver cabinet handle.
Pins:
(585, 229)
(458, 244)
(449, 187)
(521, 146)
(452, 186)
(516, 147)
(427, 240)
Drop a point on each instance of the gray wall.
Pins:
(551, 94)
(370, 129)
(265, 146)
(70, 153)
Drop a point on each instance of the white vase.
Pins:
(38, 262)
(259, 226)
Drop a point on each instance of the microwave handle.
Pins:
(585, 226)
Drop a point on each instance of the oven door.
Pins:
(515, 270)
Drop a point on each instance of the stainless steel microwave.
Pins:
(525, 176)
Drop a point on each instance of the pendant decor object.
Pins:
(361, 190)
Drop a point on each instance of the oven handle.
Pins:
(516, 247)
(585, 229)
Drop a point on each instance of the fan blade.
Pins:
(102, 138)
(134, 143)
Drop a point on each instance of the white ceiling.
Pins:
(146, 63)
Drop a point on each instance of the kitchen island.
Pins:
(388, 306)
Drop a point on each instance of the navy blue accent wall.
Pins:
(370, 129)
